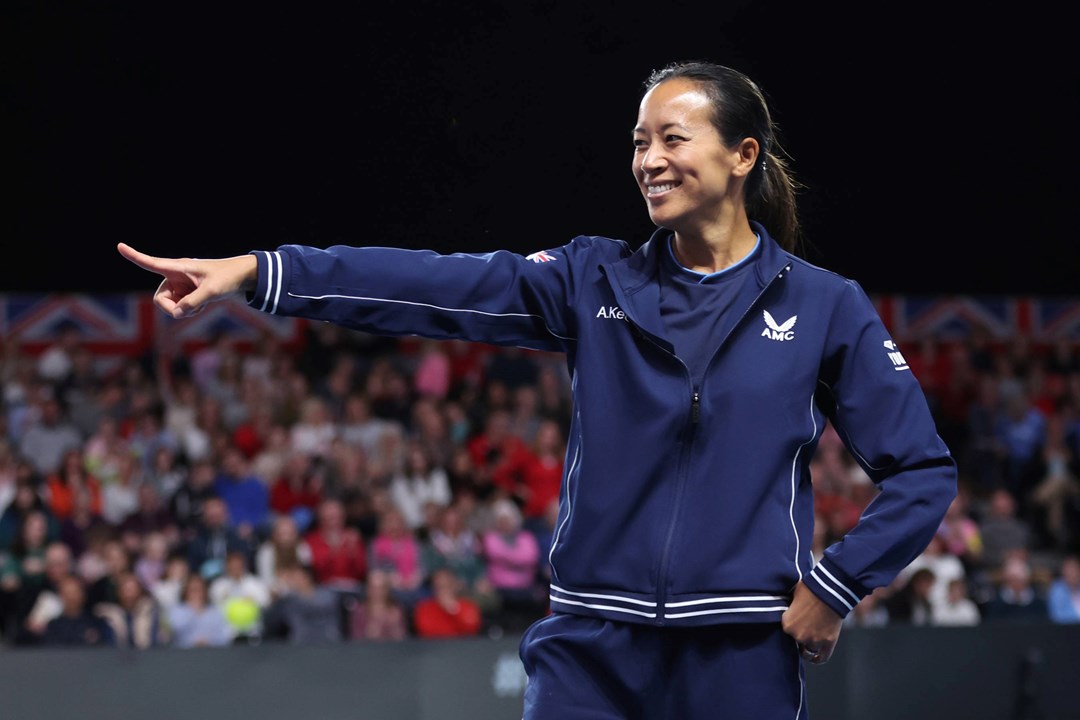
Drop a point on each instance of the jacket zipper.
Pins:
(680, 479)
(684, 459)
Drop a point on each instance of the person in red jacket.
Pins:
(447, 613)
(338, 552)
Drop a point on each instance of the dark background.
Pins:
(938, 148)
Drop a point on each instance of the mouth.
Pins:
(658, 189)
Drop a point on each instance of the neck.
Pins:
(714, 248)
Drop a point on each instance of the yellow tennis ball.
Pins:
(242, 613)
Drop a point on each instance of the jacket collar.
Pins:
(634, 278)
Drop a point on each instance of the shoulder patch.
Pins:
(539, 257)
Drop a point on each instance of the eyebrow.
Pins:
(665, 126)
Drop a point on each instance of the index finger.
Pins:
(146, 262)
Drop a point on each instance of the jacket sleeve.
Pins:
(880, 411)
(500, 298)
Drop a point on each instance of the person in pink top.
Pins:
(513, 565)
(396, 550)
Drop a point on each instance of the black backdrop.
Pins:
(938, 149)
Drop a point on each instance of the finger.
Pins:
(146, 262)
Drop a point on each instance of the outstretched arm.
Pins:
(189, 284)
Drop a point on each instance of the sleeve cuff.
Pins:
(834, 587)
(268, 287)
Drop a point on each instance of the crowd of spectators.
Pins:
(358, 489)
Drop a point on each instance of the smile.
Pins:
(654, 190)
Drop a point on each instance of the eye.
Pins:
(673, 138)
(639, 143)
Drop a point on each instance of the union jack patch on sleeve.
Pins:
(539, 257)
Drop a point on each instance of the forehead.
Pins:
(678, 101)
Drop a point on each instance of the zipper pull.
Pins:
(695, 407)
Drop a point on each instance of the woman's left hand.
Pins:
(813, 624)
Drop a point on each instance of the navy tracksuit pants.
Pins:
(584, 668)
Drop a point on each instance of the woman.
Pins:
(195, 621)
(284, 548)
(705, 365)
(378, 616)
(136, 618)
(71, 479)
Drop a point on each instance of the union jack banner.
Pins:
(539, 257)
(129, 323)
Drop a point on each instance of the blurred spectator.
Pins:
(214, 539)
(77, 530)
(1056, 487)
(307, 613)
(76, 625)
(545, 536)
(298, 487)
(120, 497)
(195, 621)
(431, 377)
(395, 550)
(543, 472)
(360, 428)
(525, 413)
(56, 362)
(22, 571)
(27, 500)
(960, 533)
(148, 435)
(500, 459)
(118, 562)
(453, 545)
(70, 479)
(186, 505)
(136, 619)
(151, 558)
(981, 453)
(447, 612)
(1003, 532)
(957, 608)
(1063, 598)
(872, 611)
(555, 400)
(338, 552)
(149, 516)
(241, 594)
(284, 548)
(169, 588)
(377, 616)
(245, 495)
(512, 556)
(1021, 430)
(945, 566)
(431, 430)
(1017, 599)
(46, 603)
(316, 430)
(911, 603)
(270, 459)
(8, 464)
(102, 452)
(166, 473)
(49, 436)
(418, 483)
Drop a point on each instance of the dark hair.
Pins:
(741, 111)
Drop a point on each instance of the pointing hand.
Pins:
(188, 284)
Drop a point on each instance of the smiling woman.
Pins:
(706, 364)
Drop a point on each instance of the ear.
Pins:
(747, 150)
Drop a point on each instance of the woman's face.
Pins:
(680, 162)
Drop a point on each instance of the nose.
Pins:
(652, 161)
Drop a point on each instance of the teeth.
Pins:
(656, 189)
